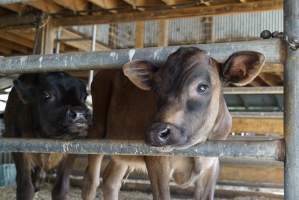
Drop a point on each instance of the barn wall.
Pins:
(243, 26)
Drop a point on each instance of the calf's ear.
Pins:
(242, 67)
(140, 73)
(24, 87)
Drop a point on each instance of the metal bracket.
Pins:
(292, 42)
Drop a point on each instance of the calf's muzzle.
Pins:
(165, 134)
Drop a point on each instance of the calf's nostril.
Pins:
(164, 133)
(72, 114)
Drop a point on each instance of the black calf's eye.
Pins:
(47, 96)
(201, 88)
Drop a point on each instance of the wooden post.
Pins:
(163, 33)
(44, 37)
(113, 36)
(139, 34)
(291, 101)
(49, 34)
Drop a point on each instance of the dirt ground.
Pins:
(74, 194)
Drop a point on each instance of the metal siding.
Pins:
(246, 26)
(151, 33)
(126, 35)
(186, 30)
(102, 32)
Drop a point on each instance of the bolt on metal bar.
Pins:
(291, 102)
(116, 58)
(259, 150)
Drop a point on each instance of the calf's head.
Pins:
(57, 103)
(191, 107)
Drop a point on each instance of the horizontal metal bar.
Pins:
(257, 114)
(260, 149)
(253, 90)
(3, 2)
(116, 58)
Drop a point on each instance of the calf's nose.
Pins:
(162, 134)
(78, 115)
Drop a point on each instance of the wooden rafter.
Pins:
(13, 46)
(171, 13)
(16, 38)
(47, 6)
(74, 5)
(142, 3)
(18, 8)
(107, 4)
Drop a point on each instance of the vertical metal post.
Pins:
(58, 37)
(93, 48)
(291, 114)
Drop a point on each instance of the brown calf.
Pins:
(174, 106)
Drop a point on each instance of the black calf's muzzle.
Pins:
(164, 134)
(77, 121)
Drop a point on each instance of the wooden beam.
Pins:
(4, 51)
(15, 38)
(271, 79)
(113, 36)
(139, 34)
(18, 8)
(173, 2)
(163, 33)
(47, 6)
(74, 5)
(18, 22)
(49, 36)
(259, 126)
(106, 4)
(142, 3)
(13, 46)
(252, 174)
(171, 13)
(273, 67)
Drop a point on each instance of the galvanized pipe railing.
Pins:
(114, 59)
(258, 150)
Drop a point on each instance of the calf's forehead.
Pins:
(62, 82)
(187, 64)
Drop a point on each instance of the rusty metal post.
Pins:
(291, 126)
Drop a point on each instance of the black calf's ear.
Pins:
(242, 67)
(24, 87)
(140, 73)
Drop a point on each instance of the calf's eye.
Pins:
(201, 88)
(47, 96)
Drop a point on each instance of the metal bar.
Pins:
(116, 58)
(291, 102)
(74, 39)
(58, 41)
(93, 48)
(261, 150)
(3, 2)
(253, 90)
(257, 114)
